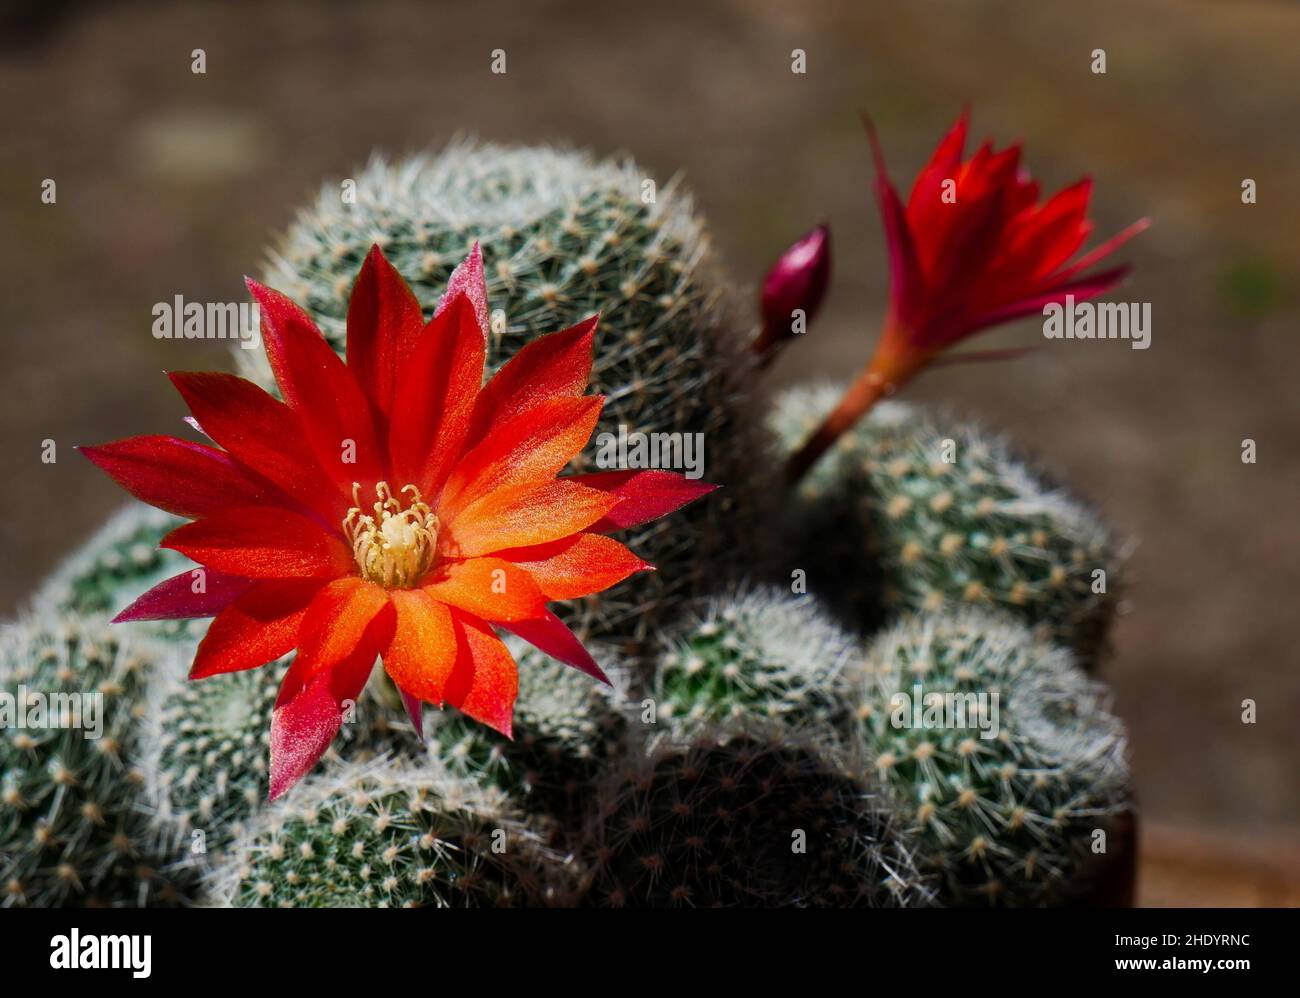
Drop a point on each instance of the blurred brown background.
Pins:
(173, 183)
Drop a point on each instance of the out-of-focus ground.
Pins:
(172, 183)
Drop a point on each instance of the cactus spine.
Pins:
(72, 830)
(952, 518)
(1009, 819)
(381, 835)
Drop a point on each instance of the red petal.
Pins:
(177, 599)
(258, 627)
(549, 635)
(945, 163)
(262, 433)
(336, 417)
(435, 397)
(520, 515)
(551, 366)
(485, 681)
(532, 446)
(489, 588)
(576, 566)
(415, 711)
(182, 477)
(1082, 289)
(384, 323)
(309, 713)
(906, 285)
(345, 626)
(645, 495)
(261, 542)
(336, 622)
(1099, 253)
(467, 279)
(422, 653)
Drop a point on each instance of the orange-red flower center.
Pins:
(394, 546)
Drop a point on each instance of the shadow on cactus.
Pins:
(754, 819)
(566, 730)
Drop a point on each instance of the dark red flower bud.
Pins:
(793, 290)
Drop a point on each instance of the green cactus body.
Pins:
(119, 563)
(1009, 819)
(757, 654)
(383, 835)
(721, 821)
(207, 764)
(952, 518)
(567, 727)
(563, 237)
(72, 831)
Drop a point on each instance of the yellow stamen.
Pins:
(395, 547)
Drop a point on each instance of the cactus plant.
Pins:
(1016, 765)
(566, 729)
(71, 828)
(731, 819)
(754, 654)
(779, 772)
(382, 835)
(563, 237)
(205, 768)
(118, 563)
(912, 511)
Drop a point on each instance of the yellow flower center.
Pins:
(393, 547)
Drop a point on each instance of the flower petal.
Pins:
(576, 566)
(347, 624)
(422, 653)
(384, 323)
(521, 515)
(336, 416)
(414, 710)
(336, 622)
(644, 495)
(551, 366)
(261, 542)
(258, 627)
(487, 587)
(549, 635)
(435, 397)
(532, 446)
(198, 592)
(468, 280)
(905, 279)
(180, 476)
(485, 682)
(309, 713)
(1082, 289)
(262, 433)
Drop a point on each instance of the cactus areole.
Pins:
(392, 505)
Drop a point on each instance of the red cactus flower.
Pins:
(392, 506)
(972, 248)
(796, 282)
